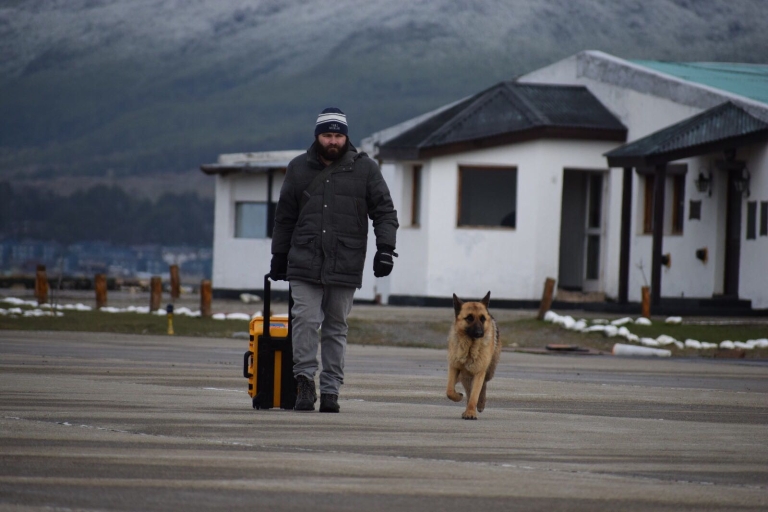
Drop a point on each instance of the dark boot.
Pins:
(306, 395)
(329, 403)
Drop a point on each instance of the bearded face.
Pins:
(330, 146)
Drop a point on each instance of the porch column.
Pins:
(659, 182)
(626, 230)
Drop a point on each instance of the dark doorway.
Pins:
(581, 228)
(732, 239)
(572, 232)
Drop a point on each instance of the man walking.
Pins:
(319, 243)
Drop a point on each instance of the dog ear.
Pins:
(456, 304)
(486, 299)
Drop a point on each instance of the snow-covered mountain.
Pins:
(148, 86)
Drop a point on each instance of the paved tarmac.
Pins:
(144, 423)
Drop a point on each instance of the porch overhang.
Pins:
(264, 162)
(719, 129)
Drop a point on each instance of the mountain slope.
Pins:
(140, 87)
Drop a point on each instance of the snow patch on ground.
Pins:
(619, 328)
(56, 310)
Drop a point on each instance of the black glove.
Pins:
(279, 266)
(383, 261)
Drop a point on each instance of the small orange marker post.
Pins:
(646, 301)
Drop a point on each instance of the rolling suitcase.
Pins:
(268, 362)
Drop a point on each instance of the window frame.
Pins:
(237, 218)
(416, 186)
(674, 197)
(678, 204)
(462, 168)
(650, 181)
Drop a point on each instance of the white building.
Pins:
(247, 189)
(552, 175)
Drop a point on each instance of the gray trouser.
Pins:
(320, 307)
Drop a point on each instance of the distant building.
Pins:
(556, 174)
(247, 189)
(84, 259)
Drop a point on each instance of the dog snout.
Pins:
(475, 331)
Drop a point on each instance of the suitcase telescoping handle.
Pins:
(268, 306)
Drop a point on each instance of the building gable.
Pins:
(505, 113)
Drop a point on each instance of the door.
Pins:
(581, 228)
(732, 239)
(572, 214)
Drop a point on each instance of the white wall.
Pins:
(409, 276)
(240, 263)
(644, 113)
(687, 276)
(379, 286)
(753, 277)
(442, 259)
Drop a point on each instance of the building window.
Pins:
(674, 199)
(763, 218)
(648, 217)
(250, 220)
(487, 196)
(416, 196)
(694, 210)
(678, 203)
(594, 224)
(595, 200)
(751, 220)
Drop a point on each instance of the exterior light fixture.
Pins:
(704, 183)
(741, 182)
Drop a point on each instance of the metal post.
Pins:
(626, 230)
(660, 179)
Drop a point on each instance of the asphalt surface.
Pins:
(119, 422)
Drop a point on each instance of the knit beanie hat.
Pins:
(331, 120)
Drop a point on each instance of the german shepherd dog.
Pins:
(473, 353)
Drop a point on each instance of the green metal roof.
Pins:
(748, 80)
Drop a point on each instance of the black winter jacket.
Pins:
(326, 240)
